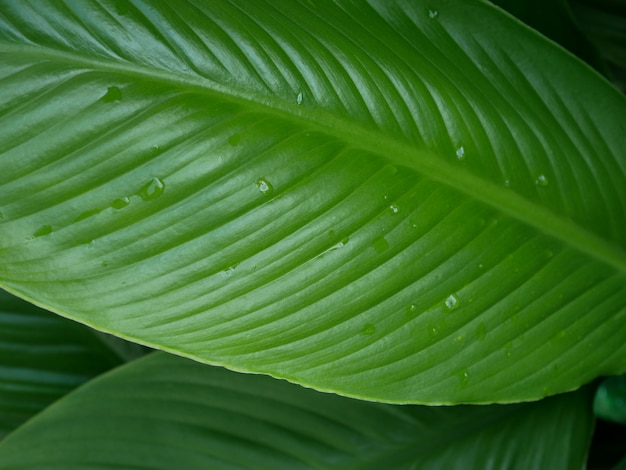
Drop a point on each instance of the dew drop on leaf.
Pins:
(152, 190)
(264, 186)
(299, 98)
(452, 302)
(120, 203)
(410, 309)
(234, 139)
(368, 330)
(43, 231)
(460, 153)
(228, 272)
(433, 331)
(433, 14)
(381, 245)
(541, 181)
(121, 7)
(459, 338)
(394, 208)
(113, 94)
(87, 214)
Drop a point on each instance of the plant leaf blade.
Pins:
(200, 417)
(442, 222)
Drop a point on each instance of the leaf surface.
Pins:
(164, 411)
(42, 358)
(610, 399)
(372, 198)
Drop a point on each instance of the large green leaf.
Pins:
(395, 200)
(42, 358)
(166, 412)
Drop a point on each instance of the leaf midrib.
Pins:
(422, 160)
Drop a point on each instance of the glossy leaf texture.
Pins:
(42, 358)
(165, 411)
(372, 198)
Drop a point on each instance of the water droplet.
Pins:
(460, 153)
(152, 190)
(87, 214)
(299, 98)
(481, 331)
(464, 376)
(433, 331)
(264, 186)
(380, 245)
(122, 7)
(394, 208)
(43, 231)
(113, 94)
(433, 14)
(541, 181)
(507, 183)
(452, 302)
(368, 330)
(410, 309)
(341, 244)
(228, 272)
(481, 266)
(120, 203)
(459, 339)
(234, 139)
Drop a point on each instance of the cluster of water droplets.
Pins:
(151, 190)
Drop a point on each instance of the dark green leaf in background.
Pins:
(165, 412)
(604, 22)
(42, 358)
(555, 20)
(374, 198)
(610, 399)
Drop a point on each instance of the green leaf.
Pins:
(394, 200)
(610, 399)
(604, 21)
(621, 465)
(166, 412)
(554, 19)
(42, 358)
